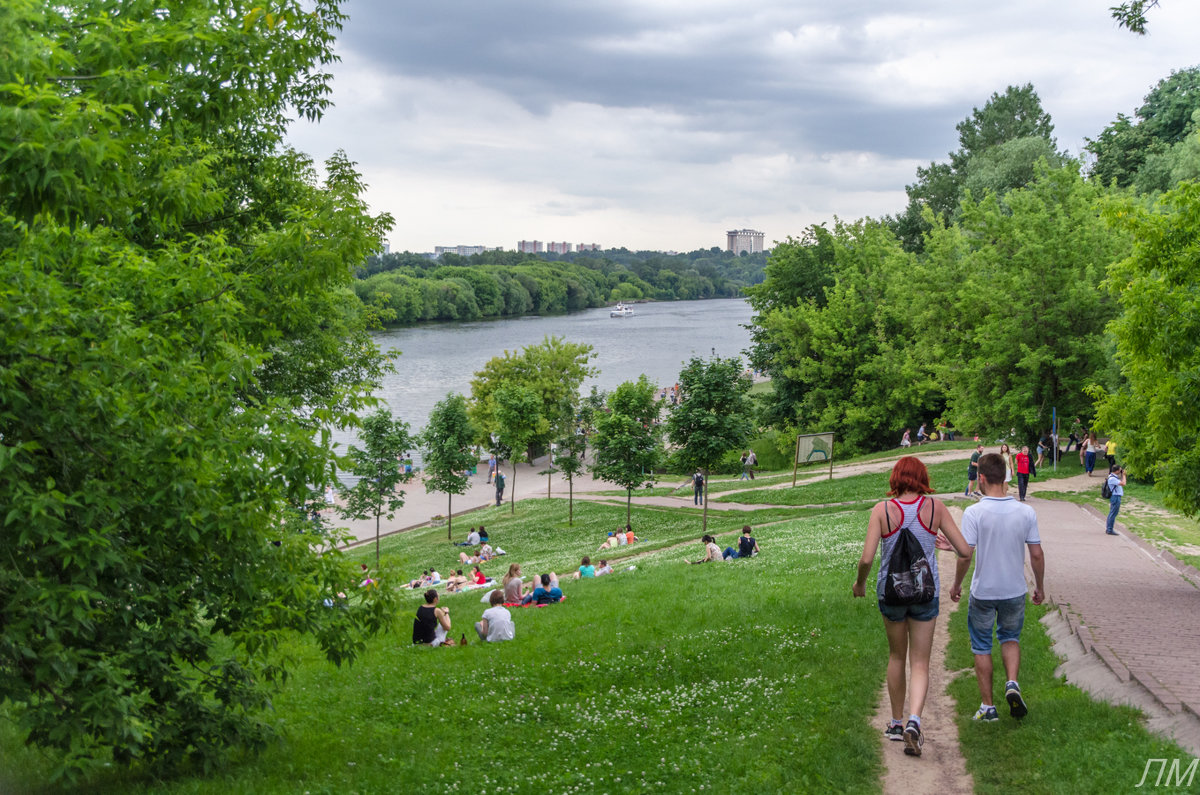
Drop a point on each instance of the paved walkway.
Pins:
(1135, 607)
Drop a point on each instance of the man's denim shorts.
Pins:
(1006, 615)
(926, 611)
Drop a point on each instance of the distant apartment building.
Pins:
(739, 240)
(530, 247)
(588, 247)
(462, 251)
(559, 248)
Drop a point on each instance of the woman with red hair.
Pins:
(909, 627)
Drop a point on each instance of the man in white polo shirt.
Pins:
(999, 529)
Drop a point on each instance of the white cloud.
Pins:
(658, 124)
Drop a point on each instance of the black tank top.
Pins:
(424, 625)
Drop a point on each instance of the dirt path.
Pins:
(941, 767)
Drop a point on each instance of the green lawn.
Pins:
(945, 476)
(1068, 743)
(748, 676)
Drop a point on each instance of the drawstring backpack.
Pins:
(910, 578)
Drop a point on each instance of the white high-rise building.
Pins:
(739, 240)
(530, 247)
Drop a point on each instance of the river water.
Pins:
(656, 341)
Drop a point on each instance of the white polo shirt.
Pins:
(999, 528)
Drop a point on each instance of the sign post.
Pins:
(813, 447)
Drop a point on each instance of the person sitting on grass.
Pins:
(620, 538)
(496, 624)
(711, 550)
(609, 543)
(472, 539)
(514, 588)
(603, 569)
(434, 577)
(747, 546)
(419, 582)
(586, 569)
(477, 576)
(546, 593)
(456, 581)
(431, 627)
(483, 534)
(629, 536)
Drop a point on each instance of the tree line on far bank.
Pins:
(1015, 285)
(402, 289)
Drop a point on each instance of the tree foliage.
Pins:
(1155, 413)
(628, 440)
(552, 371)
(380, 469)
(519, 420)
(448, 455)
(177, 347)
(713, 416)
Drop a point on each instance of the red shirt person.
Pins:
(1023, 461)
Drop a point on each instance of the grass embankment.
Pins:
(945, 476)
(747, 676)
(1068, 743)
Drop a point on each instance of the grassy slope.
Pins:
(1067, 744)
(747, 676)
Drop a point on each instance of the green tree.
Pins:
(628, 441)
(569, 455)
(713, 417)
(552, 371)
(177, 347)
(380, 470)
(1021, 330)
(446, 443)
(1155, 414)
(854, 365)
(1131, 15)
(519, 421)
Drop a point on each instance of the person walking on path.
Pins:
(1023, 460)
(751, 463)
(745, 466)
(1093, 448)
(999, 530)
(499, 487)
(1110, 452)
(909, 627)
(697, 488)
(491, 467)
(973, 471)
(1116, 488)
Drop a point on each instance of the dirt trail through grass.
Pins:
(941, 767)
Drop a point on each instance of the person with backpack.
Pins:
(904, 530)
(697, 488)
(1114, 484)
(999, 529)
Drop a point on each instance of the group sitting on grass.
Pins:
(747, 547)
(619, 538)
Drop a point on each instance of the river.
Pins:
(441, 358)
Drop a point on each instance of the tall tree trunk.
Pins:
(512, 497)
(377, 544)
(628, 503)
(449, 517)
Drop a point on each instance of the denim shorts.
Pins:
(1006, 615)
(926, 611)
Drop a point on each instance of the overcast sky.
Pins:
(660, 124)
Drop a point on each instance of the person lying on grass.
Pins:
(431, 627)
(586, 569)
(603, 569)
(711, 550)
(496, 624)
(546, 593)
(747, 547)
(421, 581)
(514, 587)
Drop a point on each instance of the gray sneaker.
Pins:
(1016, 704)
(914, 738)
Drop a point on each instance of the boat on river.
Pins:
(621, 310)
